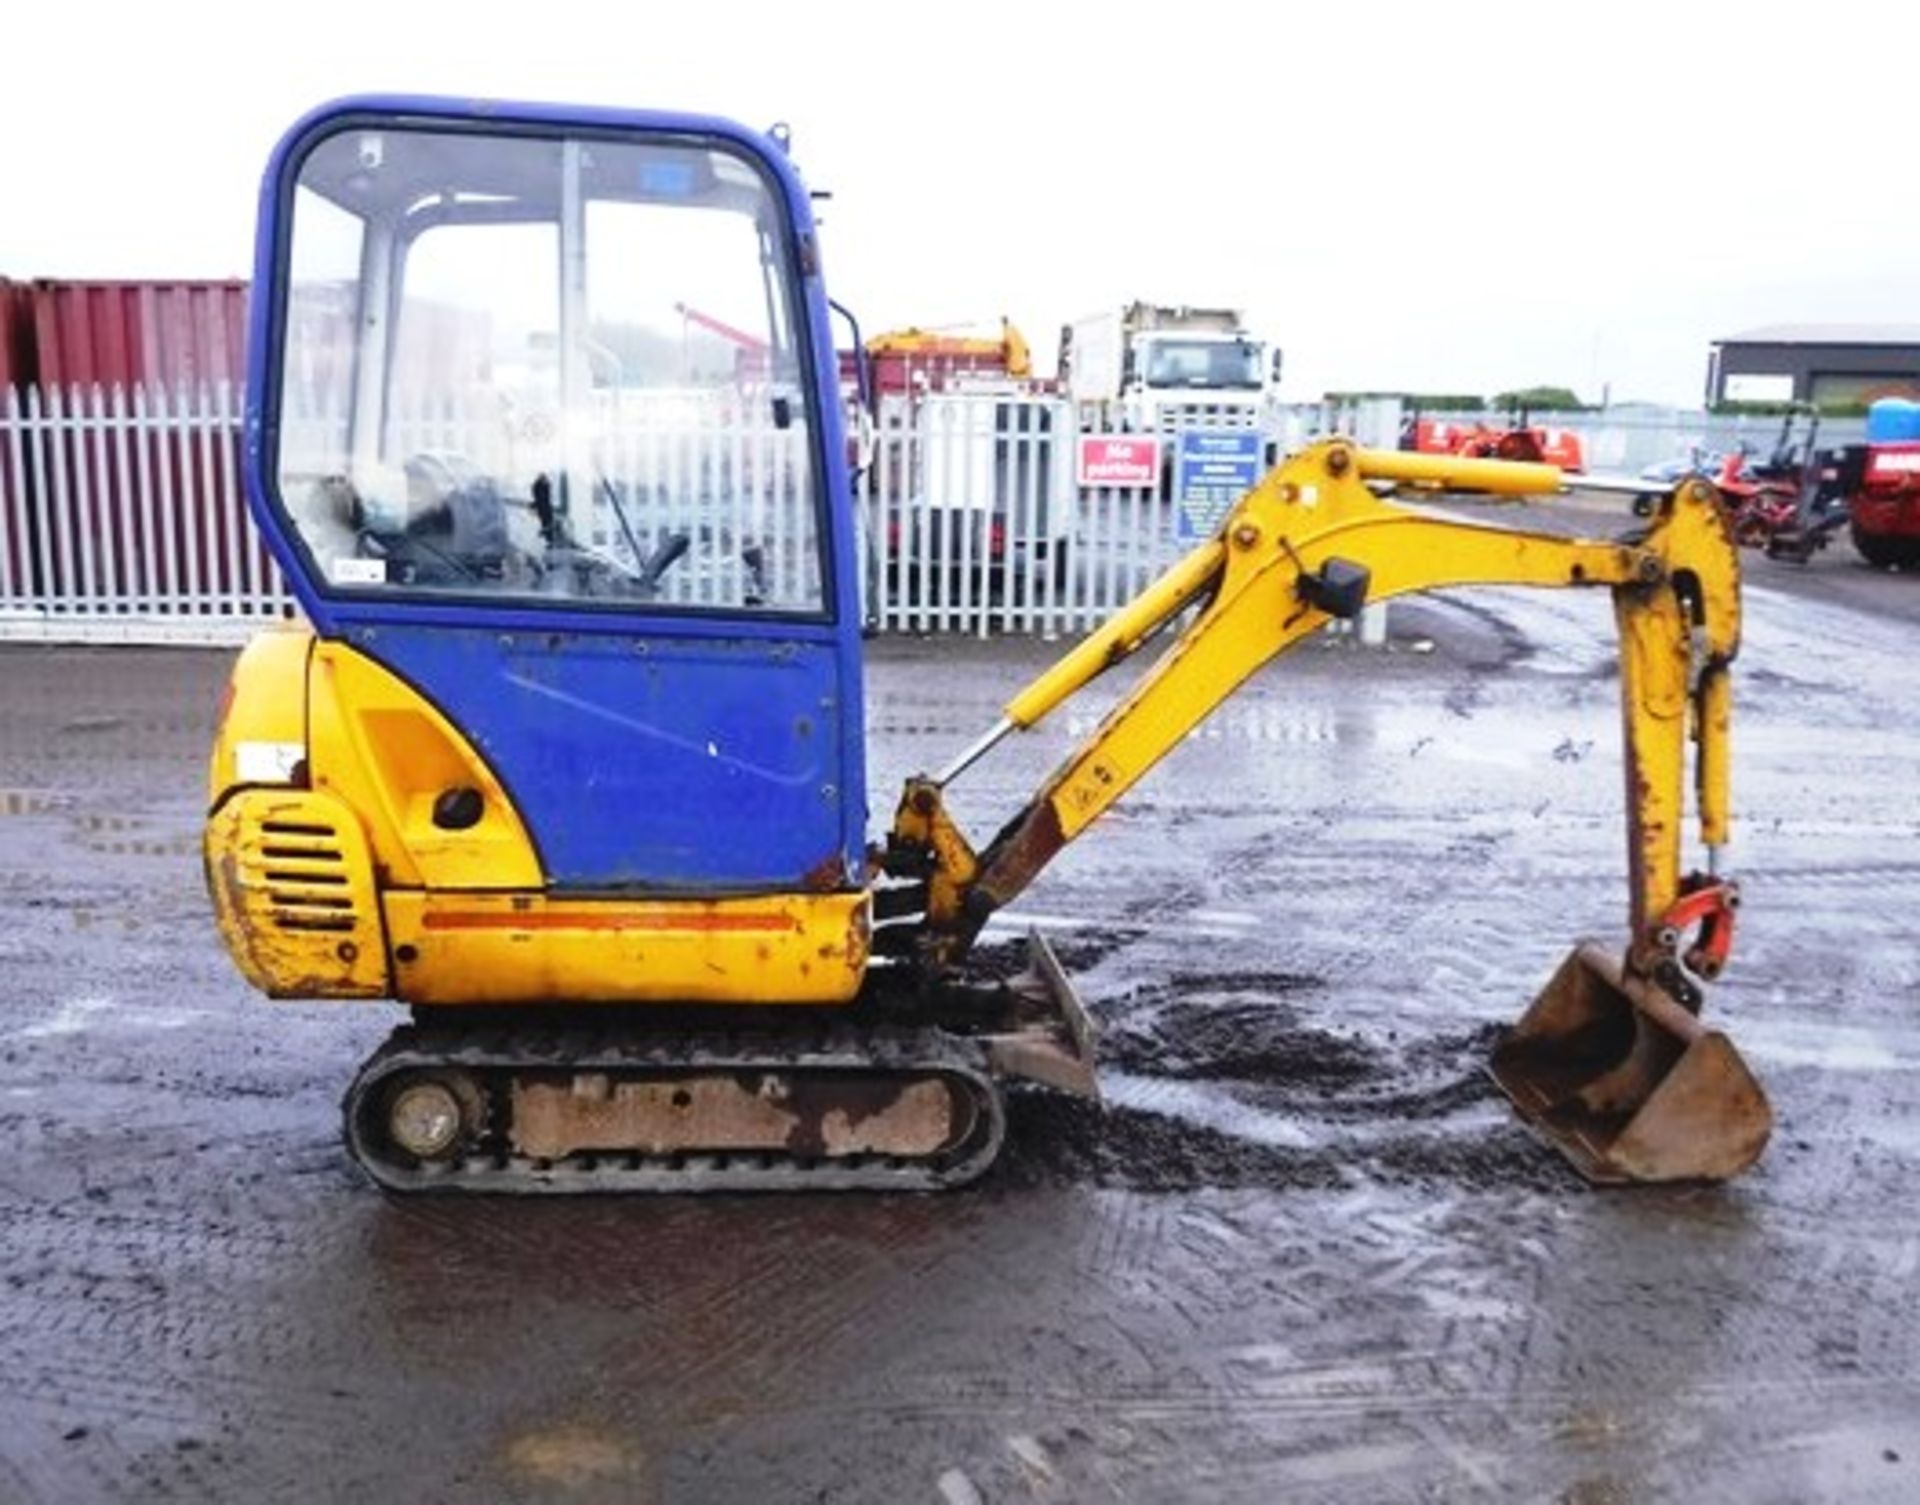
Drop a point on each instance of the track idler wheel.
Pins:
(1628, 1084)
(421, 1117)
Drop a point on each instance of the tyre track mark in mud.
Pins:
(741, 1327)
(606, 1256)
(1121, 1239)
(1305, 894)
(1266, 1414)
(807, 1305)
(146, 1327)
(1267, 1399)
(111, 1403)
(1340, 1390)
(227, 1376)
(1833, 875)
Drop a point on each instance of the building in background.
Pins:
(1829, 364)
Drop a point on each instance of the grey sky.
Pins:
(1447, 197)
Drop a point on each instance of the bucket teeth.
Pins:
(1626, 1083)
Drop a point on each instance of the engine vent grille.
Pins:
(303, 871)
(296, 893)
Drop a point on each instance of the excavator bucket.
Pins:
(1626, 1083)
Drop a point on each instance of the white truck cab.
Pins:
(1161, 367)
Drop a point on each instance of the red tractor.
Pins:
(1772, 503)
(1761, 498)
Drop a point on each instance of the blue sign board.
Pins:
(1212, 471)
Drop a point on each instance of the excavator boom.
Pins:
(1314, 542)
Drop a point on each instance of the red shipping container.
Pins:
(98, 352)
(170, 334)
(16, 335)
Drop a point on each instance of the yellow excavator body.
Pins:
(567, 756)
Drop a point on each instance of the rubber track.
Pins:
(494, 1056)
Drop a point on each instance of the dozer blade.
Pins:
(1052, 1038)
(1626, 1083)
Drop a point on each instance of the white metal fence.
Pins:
(975, 520)
(122, 518)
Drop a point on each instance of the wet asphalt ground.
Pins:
(1303, 1252)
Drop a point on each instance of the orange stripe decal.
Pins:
(653, 920)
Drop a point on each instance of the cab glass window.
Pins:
(546, 369)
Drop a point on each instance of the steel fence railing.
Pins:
(121, 513)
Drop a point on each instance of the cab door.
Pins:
(542, 418)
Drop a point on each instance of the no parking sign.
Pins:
(1119, 460)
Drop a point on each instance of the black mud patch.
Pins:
(1498, 1157)
(1267, 984)
(1248, 1062)
(1057, 1140)
(1241, 1040)
(1064, 1141)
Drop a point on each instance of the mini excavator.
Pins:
(565, 753)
